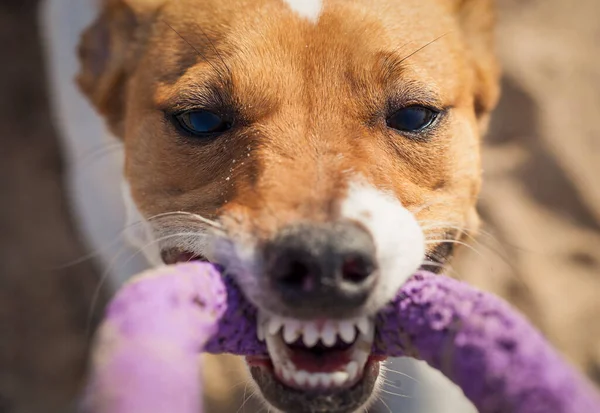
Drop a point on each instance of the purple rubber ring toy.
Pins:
(146, 351)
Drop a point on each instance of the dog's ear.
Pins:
(477, 21)
(108, 52)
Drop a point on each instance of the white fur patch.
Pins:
(399, 240)
(309, 9)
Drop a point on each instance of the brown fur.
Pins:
(309, 102)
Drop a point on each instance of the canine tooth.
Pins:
(325, 380)
(300, 377)
(364, 325)
(291, 331)
(339, 378)
(328, 335)
(347, 331)
(313, 380)
(352, 369)
(311, 334)
(275, 324)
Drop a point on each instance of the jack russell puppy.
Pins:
(319, 151)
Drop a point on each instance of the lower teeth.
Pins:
(322, 380)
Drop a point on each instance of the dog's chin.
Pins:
(295, 400)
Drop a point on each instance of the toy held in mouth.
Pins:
(146, 352)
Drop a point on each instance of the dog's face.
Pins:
(324, 151)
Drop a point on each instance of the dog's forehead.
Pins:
(309, 9)
(290, 37)
(379, 20)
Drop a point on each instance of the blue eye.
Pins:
(202, 122)
(412, 119)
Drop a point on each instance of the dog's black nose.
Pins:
(329, 266)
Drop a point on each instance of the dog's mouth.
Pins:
(313, 365)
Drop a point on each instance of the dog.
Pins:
(319, 151)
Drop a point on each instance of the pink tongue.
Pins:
(320, 362)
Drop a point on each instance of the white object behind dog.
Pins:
(93, 158)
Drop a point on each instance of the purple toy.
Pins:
(146, 353)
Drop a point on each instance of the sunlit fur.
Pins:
(308, 90)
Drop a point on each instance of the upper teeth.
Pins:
(312, 332)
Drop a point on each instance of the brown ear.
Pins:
(477, 21)
(107, 52)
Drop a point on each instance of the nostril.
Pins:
(356, 269)
(297, 274)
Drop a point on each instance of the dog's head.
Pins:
(320, 151)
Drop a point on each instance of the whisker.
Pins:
(387, 369)
(384, 403)
(499, 250)
(472, 234)
(389, 382)
(406, 396)
(423, 47)
(440, 225)
(245, 399)
(198, 52)
(120, 234)
(452, 241)
(169, 236)
(467, 233)
(213, 47)
(106, 273)
(446, 267)
(96, 153)
(186, 214)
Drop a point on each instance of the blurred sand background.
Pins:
(540, 203)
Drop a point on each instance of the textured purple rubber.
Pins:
(146, 351)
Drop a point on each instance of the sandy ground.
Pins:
(540, 203)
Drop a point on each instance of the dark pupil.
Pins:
(411, 119)
(203, 121)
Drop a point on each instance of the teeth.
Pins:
(347, 331)
(325, 380)
(339, 378)
(275, 324)
(311, 334)
(364, 325)
(313, 380)
(352, 369)
(305, 379)
(301, 377)
(277, 331)
(291, 331)
(329, 333)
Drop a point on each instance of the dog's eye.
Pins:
(412, 119)
(202, 122)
